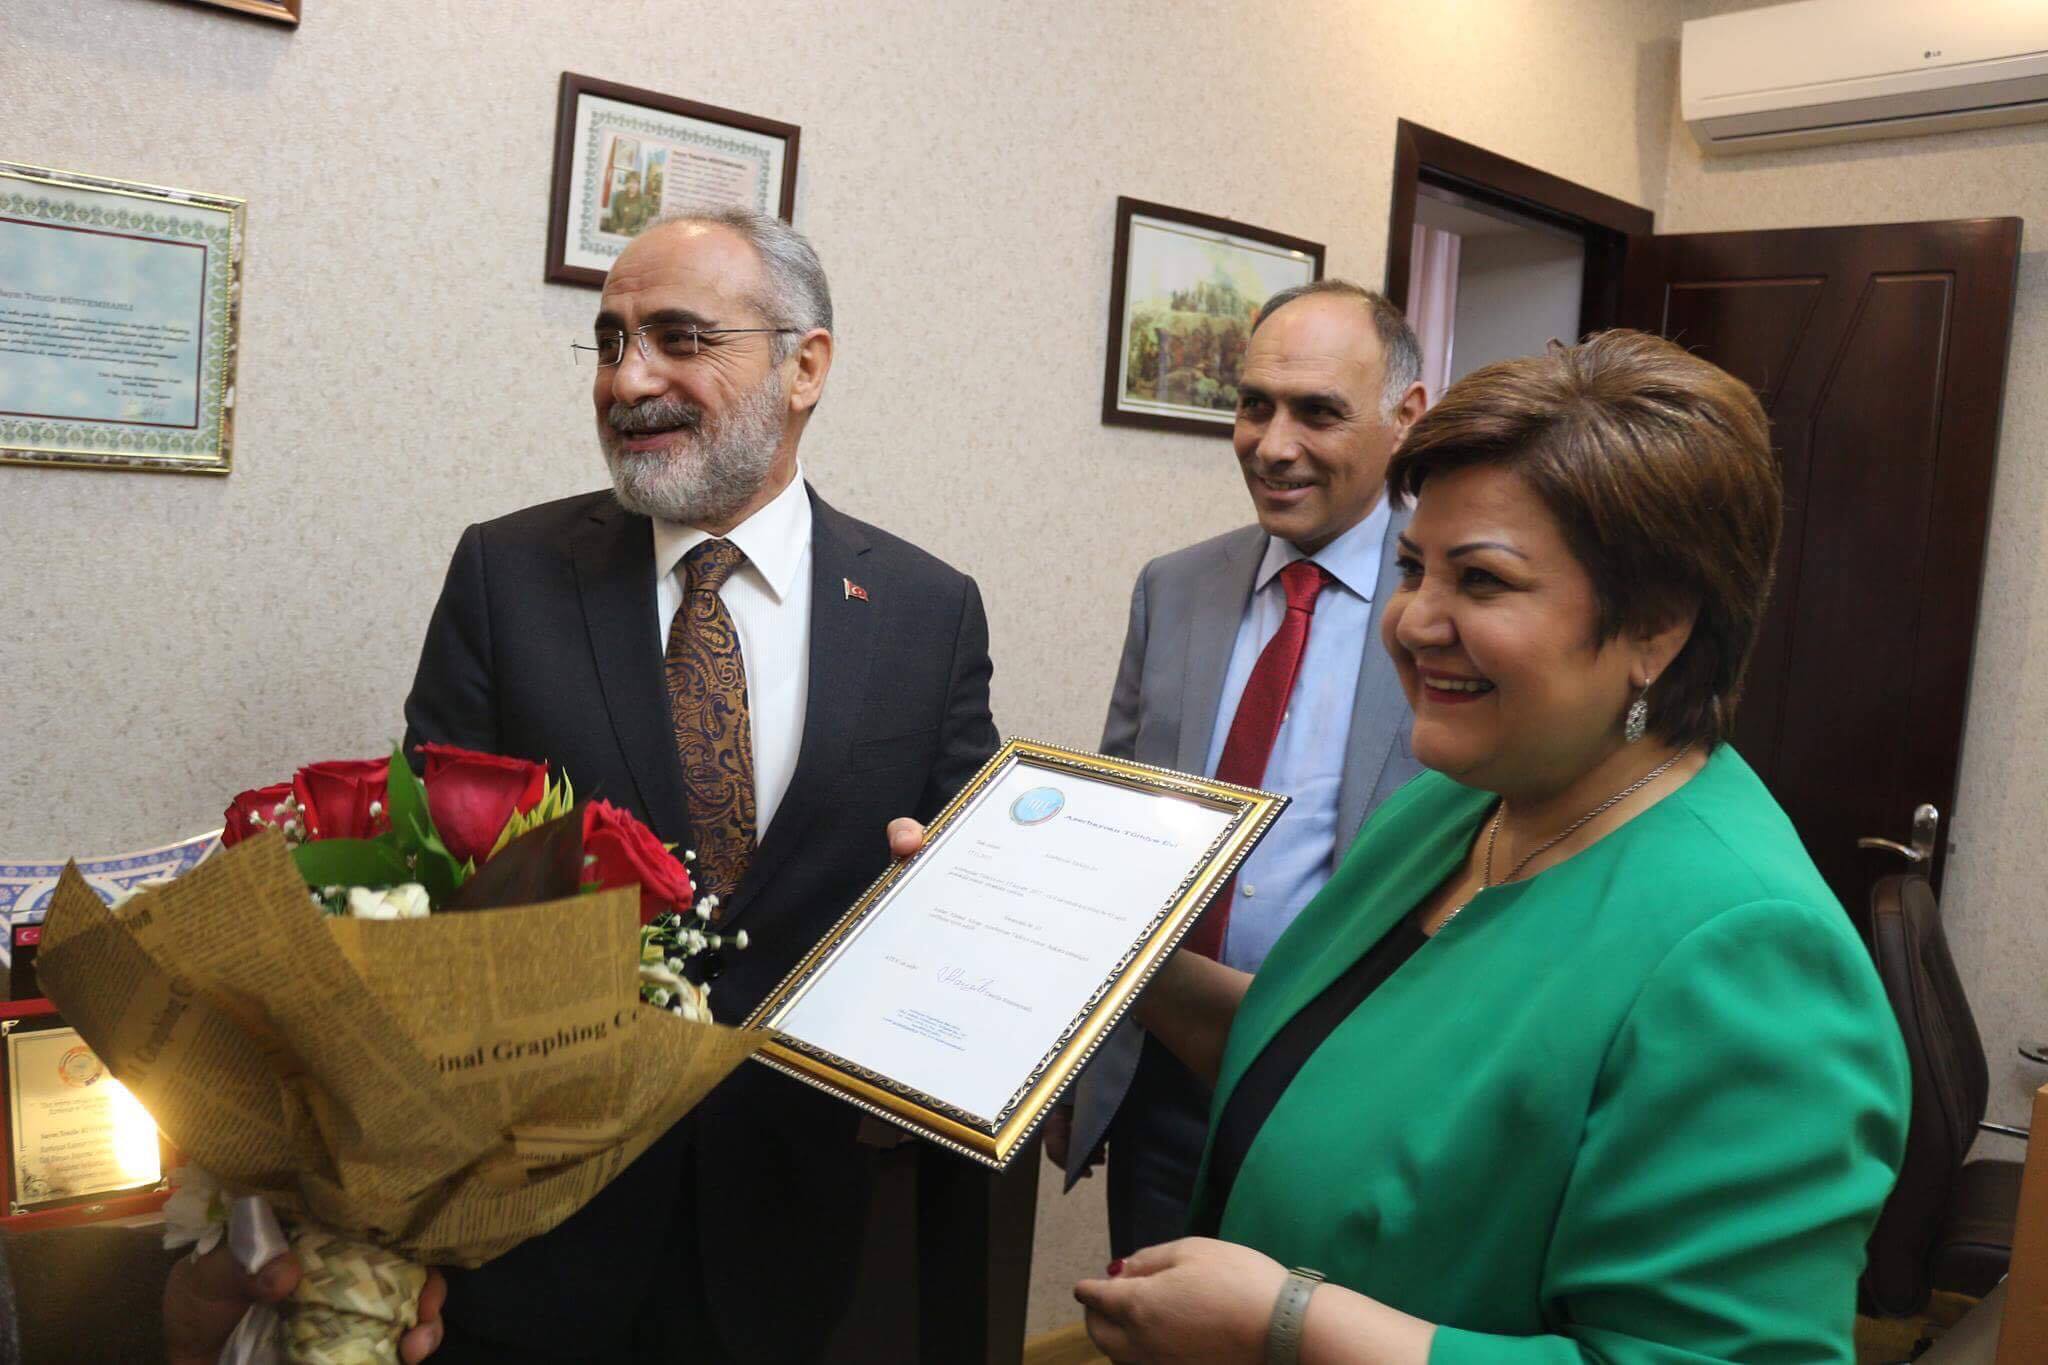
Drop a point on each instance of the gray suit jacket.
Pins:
(1185, 612)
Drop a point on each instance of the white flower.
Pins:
(407, 901)
(196, 1214)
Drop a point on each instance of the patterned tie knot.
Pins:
(710, 563)
(1302, 581)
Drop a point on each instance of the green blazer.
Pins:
(1641, 1107)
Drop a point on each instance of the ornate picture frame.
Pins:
(1184, 288)
(1028, 786)
(121, 318)
(625, 156)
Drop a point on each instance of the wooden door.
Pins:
(1879, 353)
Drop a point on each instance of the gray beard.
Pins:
(721, 468)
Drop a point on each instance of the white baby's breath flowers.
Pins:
(405, 901)
(662, 986)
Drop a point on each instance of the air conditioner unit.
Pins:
(1840, 70)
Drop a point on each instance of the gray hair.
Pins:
(797, 294)
(1399, 350)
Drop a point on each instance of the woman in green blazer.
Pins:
(1576, 1059)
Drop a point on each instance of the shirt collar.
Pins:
(774, 539)
(1353, 559)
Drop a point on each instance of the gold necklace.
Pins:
(1487, 883)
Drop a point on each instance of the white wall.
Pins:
(1517, 290)
(1992, 897)
(165, 641)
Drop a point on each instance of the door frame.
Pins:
(1423, 156)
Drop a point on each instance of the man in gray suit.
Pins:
(1255, 657)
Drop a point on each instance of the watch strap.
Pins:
(1290, 1311)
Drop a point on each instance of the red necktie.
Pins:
(1257, 722)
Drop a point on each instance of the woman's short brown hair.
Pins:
(1658, 467)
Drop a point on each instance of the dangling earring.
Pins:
(1637, 723)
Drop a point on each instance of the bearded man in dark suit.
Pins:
(762, 679)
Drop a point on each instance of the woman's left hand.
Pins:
(1192, 1302)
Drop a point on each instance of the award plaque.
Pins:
(971, 982)
(74, 1133)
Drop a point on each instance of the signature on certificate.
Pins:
(960, 980)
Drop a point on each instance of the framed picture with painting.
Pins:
(1183, 292)
(625, 157)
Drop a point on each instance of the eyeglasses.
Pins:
(670, 341)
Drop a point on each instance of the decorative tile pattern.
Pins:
(26, 887)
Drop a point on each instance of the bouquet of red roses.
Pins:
(308, 1023)
(468, 807)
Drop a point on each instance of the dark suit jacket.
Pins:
(545, 645)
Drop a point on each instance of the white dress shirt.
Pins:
(769, 597)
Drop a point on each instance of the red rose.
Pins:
(337, 796)
(472, 795)
(261, 802)
(626, 853)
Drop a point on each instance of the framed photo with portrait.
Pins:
(1184, 290)
(625, 157)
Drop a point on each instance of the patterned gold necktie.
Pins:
(707, 702)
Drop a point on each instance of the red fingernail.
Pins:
(1116, 1267)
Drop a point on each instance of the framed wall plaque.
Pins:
(972, 982)
(1184, 290)
(120, 316)
(625, 157)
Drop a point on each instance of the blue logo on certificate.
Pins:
(1037, 806)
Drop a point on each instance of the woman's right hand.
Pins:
(1196, 1301)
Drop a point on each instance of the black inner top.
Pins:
(1276, 1066)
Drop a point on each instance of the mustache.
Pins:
(653, 414)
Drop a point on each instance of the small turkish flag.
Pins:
(854, 591)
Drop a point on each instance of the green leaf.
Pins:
(406, 797)
(412, 828)
(351, 862)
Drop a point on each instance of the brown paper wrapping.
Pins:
(443, 1087)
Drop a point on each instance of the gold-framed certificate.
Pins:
(120, 310)
(970, 983)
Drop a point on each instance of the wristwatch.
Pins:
(1290, 1309)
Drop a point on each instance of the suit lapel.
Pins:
(1212, 634)
(842, 638)
(1379, 711)
(614, 557)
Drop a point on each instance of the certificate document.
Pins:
(73, 1130)
(117, 322)
(973, 980)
